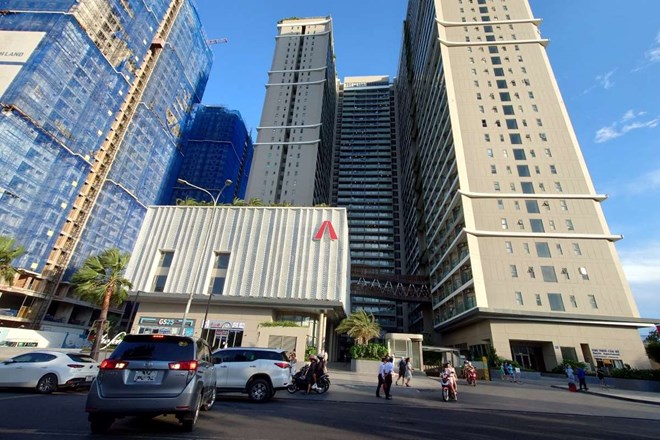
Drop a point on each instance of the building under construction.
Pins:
(95, 95)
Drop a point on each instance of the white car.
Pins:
(47, 370)
(259, 372)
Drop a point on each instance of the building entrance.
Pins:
(528, 354)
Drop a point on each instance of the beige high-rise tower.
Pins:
(292, 160)
(499, 206)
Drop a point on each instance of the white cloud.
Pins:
(642, 269)
(647, 182)
(651, 56)
(605, 81)
(618, 128)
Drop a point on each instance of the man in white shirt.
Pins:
(388, 368)
(381, 381)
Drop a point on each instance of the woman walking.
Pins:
(408, 373)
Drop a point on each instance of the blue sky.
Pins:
(605, 56)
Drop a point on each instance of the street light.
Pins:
(206, 242)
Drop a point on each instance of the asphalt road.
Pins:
(351, 411)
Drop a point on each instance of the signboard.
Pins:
(326, 225)
(606, 353)
(225, 325)
(15, 49)
(164, 322)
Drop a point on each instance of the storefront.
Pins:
(234, 273)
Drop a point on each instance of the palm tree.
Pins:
(101, 280)
(8, 253)
(360, 326)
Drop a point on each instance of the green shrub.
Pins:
(368, 351)
(561, 368)
(279, 324)
(633, 373)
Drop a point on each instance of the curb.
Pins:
(611, 396)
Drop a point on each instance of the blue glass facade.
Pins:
(86, 72)
(217, 147)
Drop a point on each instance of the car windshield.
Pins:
(155, 349)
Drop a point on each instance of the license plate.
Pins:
(89, 378)
(144, 376)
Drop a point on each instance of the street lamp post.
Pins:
(206, 242)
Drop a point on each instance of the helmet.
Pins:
(312, 357)
(320, 355)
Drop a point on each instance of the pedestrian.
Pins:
(502, 373)
(292, 362)
(310, 377)
(601, 376)
(388, 369)
(510, 372)
(402, 371)
(571, 378)
(381, 379)
(582, 378)
(409, 370)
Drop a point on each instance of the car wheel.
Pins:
(190, 419)
(259, 391)
(100, 424)
(47, 384)
(211, 400)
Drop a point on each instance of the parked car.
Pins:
(259, 372)
(48, 370)
(150, 375)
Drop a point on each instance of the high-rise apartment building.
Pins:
(365, 182)
(95, 94)
(500, 210)
(217, 147)
(293, 154)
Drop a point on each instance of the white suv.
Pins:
(259, 372)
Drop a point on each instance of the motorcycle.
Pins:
(471, 377)
(298, 382)
(447, 390)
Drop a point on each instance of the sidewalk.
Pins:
(340, 373)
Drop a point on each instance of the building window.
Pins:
(527, 187)
(530, 271)
(493, 169)
(523, 171)
(560, 251)
(508, 109)
(549, 274)
(496, 186)
(564, 206)
(162, 270)
(500, 204)
(592, 301)
(576, 249)
(504, 223)
(509, 247)
(511, 124)
(537, 225)
(505, 97)
(556, 302)
(519, 299)
(519, 154)
(515, 138)
(583, 272)
(573, 301)
(526, 248)
(532, 206)
(538, 300)
(218, 273)
(569, 225)
(514, 271)
(543, 250)
(558, 187)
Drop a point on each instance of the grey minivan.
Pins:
(150, 375)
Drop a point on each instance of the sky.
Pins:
(605, 55)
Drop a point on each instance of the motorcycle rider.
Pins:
(310, 375)
(468, 369)
(449, 373)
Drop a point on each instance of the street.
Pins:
(350, 410)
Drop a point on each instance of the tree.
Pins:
(8, 253)
(101, 280)
(360, 326)
(652, 346)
